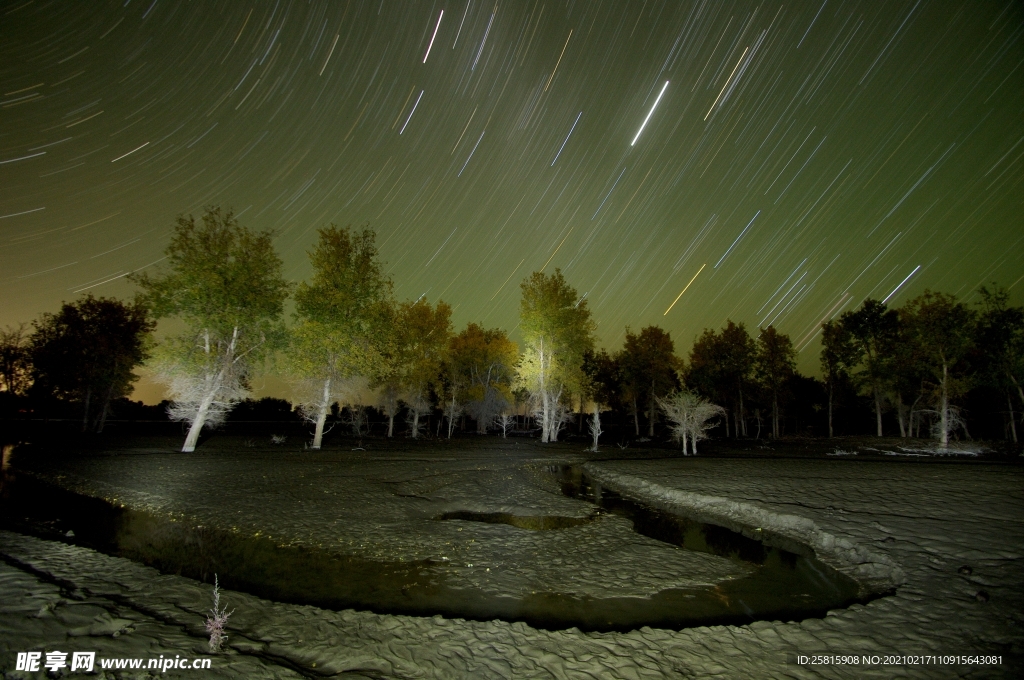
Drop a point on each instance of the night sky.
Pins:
(806, 155)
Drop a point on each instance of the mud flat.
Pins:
(902, 532)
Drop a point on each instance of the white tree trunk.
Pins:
(197, 425)
(1013, 417)
(944, 408)
(556, 416)
(214, 386)
(595, 424)
(636, 417)
(878, 411)
(830, 388)
(899, 413)
(775, 415)
(650, 413)
(742, 416)
(321, 416)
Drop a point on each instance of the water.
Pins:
(783, 584)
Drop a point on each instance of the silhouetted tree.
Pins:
(775, 364)
(944, 331)
(224, 282)
(648, 365)
(839, 354)
(601, 387)
(1000, 341)
(87, 351)
(874, 328)
(720, 369)
(15, 360)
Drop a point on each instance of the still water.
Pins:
(782, 584)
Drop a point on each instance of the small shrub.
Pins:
(217, 619)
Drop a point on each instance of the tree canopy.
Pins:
(87, 352)
(340, 318)
(225, 283)
(557, 331)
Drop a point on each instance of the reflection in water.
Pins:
(782, 584)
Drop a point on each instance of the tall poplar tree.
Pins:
(423, 335)
(224, 283)
(944, 332)
(339, 314)
(775, 365)
(557, 332)
(875, 330)
(1000, 339)
(839, 354)
(648, 363)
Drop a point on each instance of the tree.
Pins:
(720, 369)
(944, 331)
(839, 354)
(648, 364)
(907, 376)
(481, 365)
(87, 351)
(557, 331)
(874, 329)
(775, 365)
(224, 283)
(691, 416)
(601, 380)
(15, 360)
(1000, 340)
(423, 333)
(339, 315)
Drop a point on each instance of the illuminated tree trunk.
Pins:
(650, 413)
(595, 425)
(944, 407)
(214, 386)
(899, 414)
(1013, 417)
(101, 423)
(636, 417)
(321, 416)
(197, 424)
(878, 410)
(830, 390)
(85, 409)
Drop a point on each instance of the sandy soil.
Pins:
(915, 523)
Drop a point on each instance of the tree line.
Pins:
(349, 337)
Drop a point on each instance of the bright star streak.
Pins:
(566, 139)
(644, 124)
(129, 153)
(901, 284)
(726, 83)
(432, 37)
(411, 112)
(684, 289)
(471, 153)
(557, 62)
(738, 238)
(608, 194)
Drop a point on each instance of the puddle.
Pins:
(783, 584)
(532, 522)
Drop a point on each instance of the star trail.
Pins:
(819, 153)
